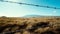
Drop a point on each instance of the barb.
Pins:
(29, 4)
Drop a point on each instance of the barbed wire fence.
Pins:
(30, 4)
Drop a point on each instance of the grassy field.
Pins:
(40, 25)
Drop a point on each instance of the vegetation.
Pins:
(13, 25)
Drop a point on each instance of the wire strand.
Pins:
(30, 4)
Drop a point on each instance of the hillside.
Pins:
(16, 25)
(40, 16)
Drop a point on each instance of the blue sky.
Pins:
(17, 10)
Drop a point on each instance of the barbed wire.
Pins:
(30, 4)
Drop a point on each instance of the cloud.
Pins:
(54, 11)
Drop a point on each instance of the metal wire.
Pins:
(30, 4)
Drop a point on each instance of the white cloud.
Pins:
(54, 11)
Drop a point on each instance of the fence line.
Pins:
(30, 4)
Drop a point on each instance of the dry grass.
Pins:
(12, 25)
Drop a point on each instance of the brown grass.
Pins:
(13, 25)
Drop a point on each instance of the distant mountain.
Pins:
(32, 16)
